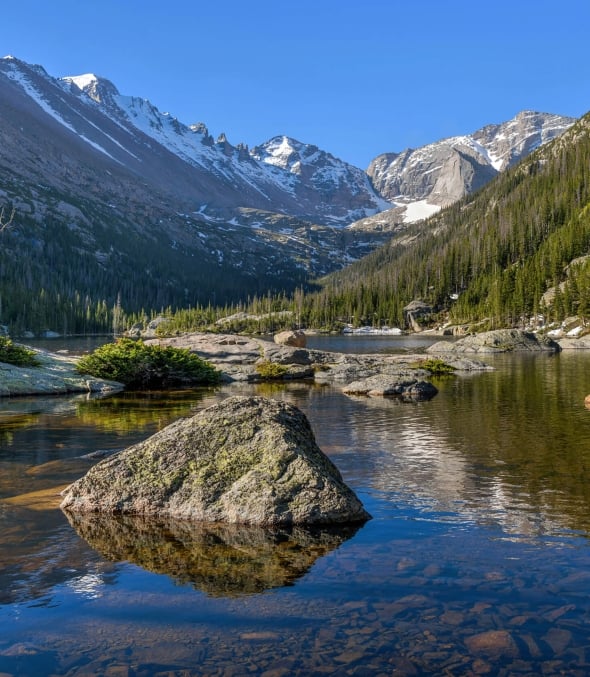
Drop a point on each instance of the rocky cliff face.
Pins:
(443, 172)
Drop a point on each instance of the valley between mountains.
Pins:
(121, 208)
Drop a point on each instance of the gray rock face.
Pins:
(498, 341)
(582, 343)
(441, 172)
(56, 375)
(445, 171)
(246, 460)
(407, 388)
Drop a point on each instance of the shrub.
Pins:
(17, 355)
(271, 370)
(138, 365)
(435, 366)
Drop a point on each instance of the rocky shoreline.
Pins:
(243, 359)
(56, 375)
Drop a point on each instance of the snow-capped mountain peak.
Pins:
(282, 175)
(100, 90)
(444, 171)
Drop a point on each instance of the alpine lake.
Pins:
(476, 561)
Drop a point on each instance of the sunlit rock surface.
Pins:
(498, 341)
(56, 375)
(405, 387)
(245, 460)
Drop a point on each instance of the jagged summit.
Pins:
(288, 153)
(442, 172)
(97, 88)
(80, 135)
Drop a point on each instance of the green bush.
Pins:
(138, 365)
(17, 355)
(435, 366)
(271, 370)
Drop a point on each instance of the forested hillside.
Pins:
(490, 256)
(81, 275)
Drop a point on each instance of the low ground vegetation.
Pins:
(139, 365)
(19, 356)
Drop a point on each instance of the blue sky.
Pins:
(355, 77)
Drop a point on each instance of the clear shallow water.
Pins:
(476, 560)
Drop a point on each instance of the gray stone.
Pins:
(497, 341)
(582, 343)
(405, 387)
(152, 327)
(245, 460)
(56, 375)
(284, 354)
(296, 339)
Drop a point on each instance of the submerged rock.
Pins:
(498, 341)
(245, 460)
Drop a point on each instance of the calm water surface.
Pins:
(476, 561)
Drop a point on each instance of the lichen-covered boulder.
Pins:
(245, 460)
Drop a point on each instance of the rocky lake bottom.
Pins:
(476, 560)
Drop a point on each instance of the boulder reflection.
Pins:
(221, 560)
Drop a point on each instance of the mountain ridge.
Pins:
(159, 212)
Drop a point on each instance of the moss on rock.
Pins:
(247, 459)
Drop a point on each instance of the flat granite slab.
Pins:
(56, 375)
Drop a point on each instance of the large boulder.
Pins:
(582, 343)
(245, 460)
(295, 338)
(497, 341)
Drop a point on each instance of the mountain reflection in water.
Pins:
(225, 560)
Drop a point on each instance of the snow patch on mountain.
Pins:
(83, 82)
(415, 211)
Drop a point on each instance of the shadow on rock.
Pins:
(221, 560)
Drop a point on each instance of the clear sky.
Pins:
(355, 77)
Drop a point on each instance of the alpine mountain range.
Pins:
(135, 194)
